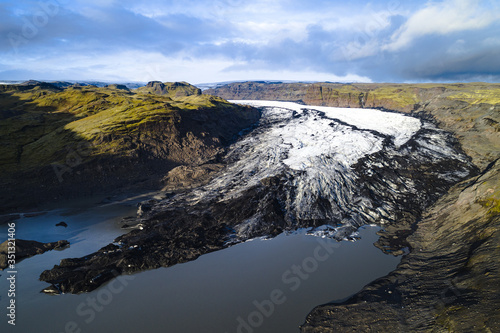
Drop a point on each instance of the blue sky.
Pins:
(222, 40)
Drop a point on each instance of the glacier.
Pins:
(331, 166)
(328, 170)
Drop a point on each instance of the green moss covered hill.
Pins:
(82, 140)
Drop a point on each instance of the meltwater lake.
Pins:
(257, 286)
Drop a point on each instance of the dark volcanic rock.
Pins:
(186, 177)
(145, 207)
(160, 244)
(26, 249)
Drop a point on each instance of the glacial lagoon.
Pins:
(262, 285)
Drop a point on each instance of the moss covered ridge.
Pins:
(400, 97)
(52, 137)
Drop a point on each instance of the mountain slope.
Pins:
(55, 140)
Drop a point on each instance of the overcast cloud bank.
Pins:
(196, 41)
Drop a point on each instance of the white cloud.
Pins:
(268, 21)
(291, 75)
(491, 41)
(356, 50)
(263, 39)
(143, 66)
(442, 18)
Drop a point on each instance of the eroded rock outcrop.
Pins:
(171, 89)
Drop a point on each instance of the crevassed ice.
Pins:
(312, 152)
(399, 126)
(311, 137)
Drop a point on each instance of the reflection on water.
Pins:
(257, 286)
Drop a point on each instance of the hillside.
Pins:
(60, 143)
(449, 282)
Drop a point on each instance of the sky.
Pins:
(227, 40)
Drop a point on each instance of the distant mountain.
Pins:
(171, 89)
(213, 85)
(100, 84)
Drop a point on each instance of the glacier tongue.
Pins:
(307, 166)
(331, 170)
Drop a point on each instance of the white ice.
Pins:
(399, 126)
(308, 138)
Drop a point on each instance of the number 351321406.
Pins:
(11, 246)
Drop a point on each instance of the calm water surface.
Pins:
(257, 286)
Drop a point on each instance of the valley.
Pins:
(419, 161)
